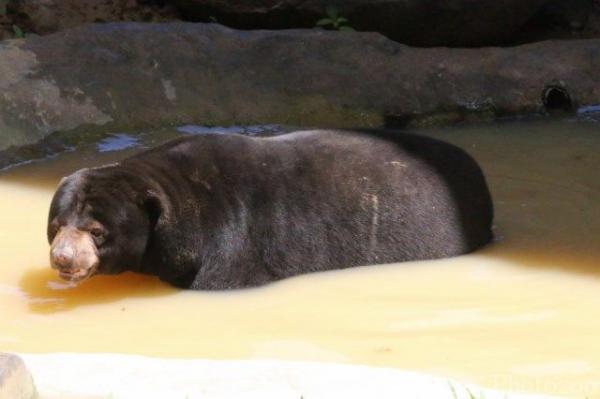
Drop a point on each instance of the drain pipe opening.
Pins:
(557, 98)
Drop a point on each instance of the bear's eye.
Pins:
(97, 232)
(98, 235)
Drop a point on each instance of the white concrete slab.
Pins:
(118, 376)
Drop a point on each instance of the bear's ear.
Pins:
(155, 206)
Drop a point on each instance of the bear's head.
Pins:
(100, 221)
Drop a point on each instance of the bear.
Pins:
(217, 212)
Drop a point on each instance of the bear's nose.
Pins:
(61, 258)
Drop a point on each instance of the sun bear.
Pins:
(214, 211)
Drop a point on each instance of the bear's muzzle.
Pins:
(74, 254)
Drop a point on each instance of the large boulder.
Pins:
(456, 23)
(130, 76)
(559, 19)
(572, 15)
(48, 16)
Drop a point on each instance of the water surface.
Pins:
(521, 314)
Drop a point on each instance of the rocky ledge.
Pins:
(130, 76)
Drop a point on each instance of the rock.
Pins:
(572, 15)
(456, 23)
(576, 19)
(130, 76)
(15, 380)
(47, 16)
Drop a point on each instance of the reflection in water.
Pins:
(520, 314)
(47, 293)
(118, 142)
(257, 130)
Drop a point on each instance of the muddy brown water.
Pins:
(522, 314)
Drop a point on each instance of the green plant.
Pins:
(19, 34)
(467, 390)
(334, 20)
(454, 395)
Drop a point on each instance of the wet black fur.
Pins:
(229, 211)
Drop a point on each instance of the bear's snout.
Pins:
(74, 254)
(62, 258)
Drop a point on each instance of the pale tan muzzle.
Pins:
(74, 254)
